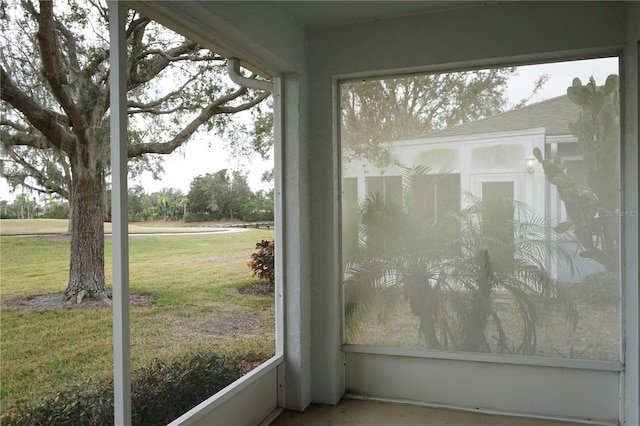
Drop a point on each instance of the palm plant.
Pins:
(456, 271)
(183, 202)
(163, 201)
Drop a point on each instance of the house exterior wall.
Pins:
(467, 156)
(482, 158)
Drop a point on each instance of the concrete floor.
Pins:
(372, 413)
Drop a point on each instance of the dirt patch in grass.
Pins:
(260, 289)
(235, 325)
(51, 302)
(219, 326)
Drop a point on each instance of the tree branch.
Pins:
(103, 11)
(46, 185)
(72, 46)
(20, 139)
(182, 57)
(183, 136)
(159, 63)
(245, 106)
(12, 124)
(155, 111)
(53, 69)
(92, 66)
(47, 122)
(160, 101)
(136, 25)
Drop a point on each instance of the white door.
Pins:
(512, 185)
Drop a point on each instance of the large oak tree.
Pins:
(55, 105)
(377, 112)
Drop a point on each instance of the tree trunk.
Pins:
(71, 209)
(475, 324)
(86, 268)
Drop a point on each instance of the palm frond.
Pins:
(452, 269)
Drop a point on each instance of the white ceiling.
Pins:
(322, 14)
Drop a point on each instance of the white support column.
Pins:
(292, 242)
(120, 242)
(327, 359)
(630, 222)
(279, 232)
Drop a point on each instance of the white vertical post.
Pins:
(279, 233)
(630, 156)
(120, 242)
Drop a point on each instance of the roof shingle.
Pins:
(554, 115)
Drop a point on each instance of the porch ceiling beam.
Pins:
(207, 23)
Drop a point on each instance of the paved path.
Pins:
(210, 232)
(145, 234)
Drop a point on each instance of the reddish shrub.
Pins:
(262, 262)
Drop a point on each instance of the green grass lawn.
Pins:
(193, 281)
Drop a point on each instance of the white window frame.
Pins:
(408, 371)
(260, 392)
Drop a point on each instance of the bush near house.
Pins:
(160, 393)
(600, 290)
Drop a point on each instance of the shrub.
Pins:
(262, 262)
(600, 290)
(159, 394)
(257, 216)
(257, 208)
(57, 211)
(202, 217)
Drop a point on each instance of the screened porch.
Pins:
(384, 290)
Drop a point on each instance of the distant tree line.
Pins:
(227, 195)
(30, 207)
(222, 195)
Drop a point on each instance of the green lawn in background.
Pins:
(192, 279)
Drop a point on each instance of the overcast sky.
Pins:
(199, 156)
